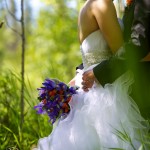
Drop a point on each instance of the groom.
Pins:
(134, 56)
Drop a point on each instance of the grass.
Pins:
(35, 126)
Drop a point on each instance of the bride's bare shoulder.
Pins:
(102, 7)
(101, 4)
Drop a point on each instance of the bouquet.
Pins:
(54, 99)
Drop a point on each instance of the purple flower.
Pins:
(54, 97)
(39, 108)
(72, 90)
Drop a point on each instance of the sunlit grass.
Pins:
(34, 126)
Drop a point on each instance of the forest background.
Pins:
(36, 42)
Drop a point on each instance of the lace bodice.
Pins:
(94, 49)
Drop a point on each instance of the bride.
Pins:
(100, 118)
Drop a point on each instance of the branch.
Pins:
(1, 24)
(11, 27)
(22, 66)
(11, 12)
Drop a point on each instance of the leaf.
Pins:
(116, 148)
(16, 139)
(141, 147)
(122, 136)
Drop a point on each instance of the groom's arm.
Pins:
(135, 49)
(109, 70)
(138, 45)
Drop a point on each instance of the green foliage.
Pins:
(34, 126)
(126, 137)
(54, 45)
(52, 51)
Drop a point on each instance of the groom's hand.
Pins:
(88, 80)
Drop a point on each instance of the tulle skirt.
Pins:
(101, 119)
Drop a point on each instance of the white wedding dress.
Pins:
(103, 118)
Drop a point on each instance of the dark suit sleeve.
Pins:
(135, 48)
(109, 70)
(138, 46)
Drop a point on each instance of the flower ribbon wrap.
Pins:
(54, 99)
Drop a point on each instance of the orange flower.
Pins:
(64, 105)
(52, 93)
(44, 101)
(68, 99)
(61, 92)
(67, 110)
(129, 2)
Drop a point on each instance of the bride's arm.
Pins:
(106, 18)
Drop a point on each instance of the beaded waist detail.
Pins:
(94, 57)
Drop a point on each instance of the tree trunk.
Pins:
(22, 65)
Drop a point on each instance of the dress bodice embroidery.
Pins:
(94, 49)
